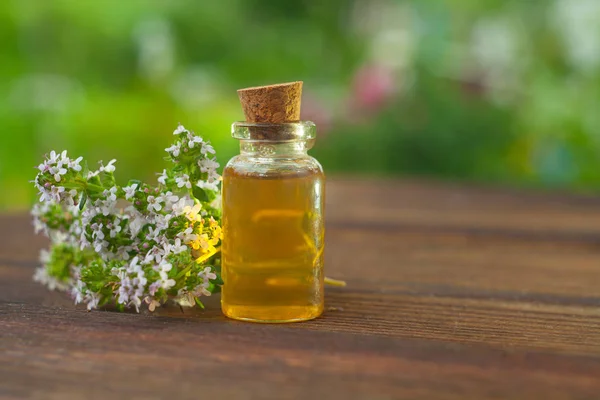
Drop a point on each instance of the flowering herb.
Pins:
(135, 244)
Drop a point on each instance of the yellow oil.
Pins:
(273, 246)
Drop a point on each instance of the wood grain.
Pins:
(453, 293)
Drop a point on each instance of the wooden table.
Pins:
(453, 293)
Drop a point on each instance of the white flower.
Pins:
(115, 230)
(174, 150)
(55, 193)
(157, 255)
(99, 247)
(184, 180)
(130, 191)
(162, 221)
(208, 185)
(78, 290)
(180, 206)
(134, 265)
(169, 199)
(192, 212)
(110, 194)
(97, 231)
(166, 283)
(180, 129)
(58, 237)
(45, 195)
(187, 235)
(207, 165)
(74, 164)
(149, 258)
(88, 214)
(163, 177)
(109, 167)
(154, 203)
(123, 252)
(152, 233)
(193, 139)
(57, 172)
(92, 300)
(123, 294)
(152, 303)
(38, 225)
(63, 157)
(207, 275)
(136, 225)
(185, 298)
(154, 287)
(201, 290)
(164, 268)
(207, 148)
(140, 281)
(53, 159)
(41, 276)
(44, 256)
(178, 247)
(105, 207)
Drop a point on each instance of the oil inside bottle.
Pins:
(273, 246)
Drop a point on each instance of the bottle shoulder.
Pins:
(244, 165)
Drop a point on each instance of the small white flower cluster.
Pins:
(62, 228)
(53, 170)
(41, 275)
(188, 146)
(207, 275)
(82, 295)
(136, 243)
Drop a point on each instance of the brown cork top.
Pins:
(273, 104)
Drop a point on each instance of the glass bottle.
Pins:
(273, 199)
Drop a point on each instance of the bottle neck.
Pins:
(272, 149)
(271, 141)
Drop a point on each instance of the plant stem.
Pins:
(334, 282)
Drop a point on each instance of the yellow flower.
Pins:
(192, 212)
(217, 233)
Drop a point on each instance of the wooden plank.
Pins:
(452, 293)
(446, 206)
(71, 352)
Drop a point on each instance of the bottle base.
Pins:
(272, 314)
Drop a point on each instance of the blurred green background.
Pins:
(493, 91)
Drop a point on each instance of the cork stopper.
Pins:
(272, 104)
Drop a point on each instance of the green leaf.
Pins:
(85, 169)
(178, 168)
(107, 179)
(210, 195)
(200, 194)
(135, 182)
(219, 280)
(83, 200)
(94, 180)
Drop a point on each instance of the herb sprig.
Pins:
(135, 244)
